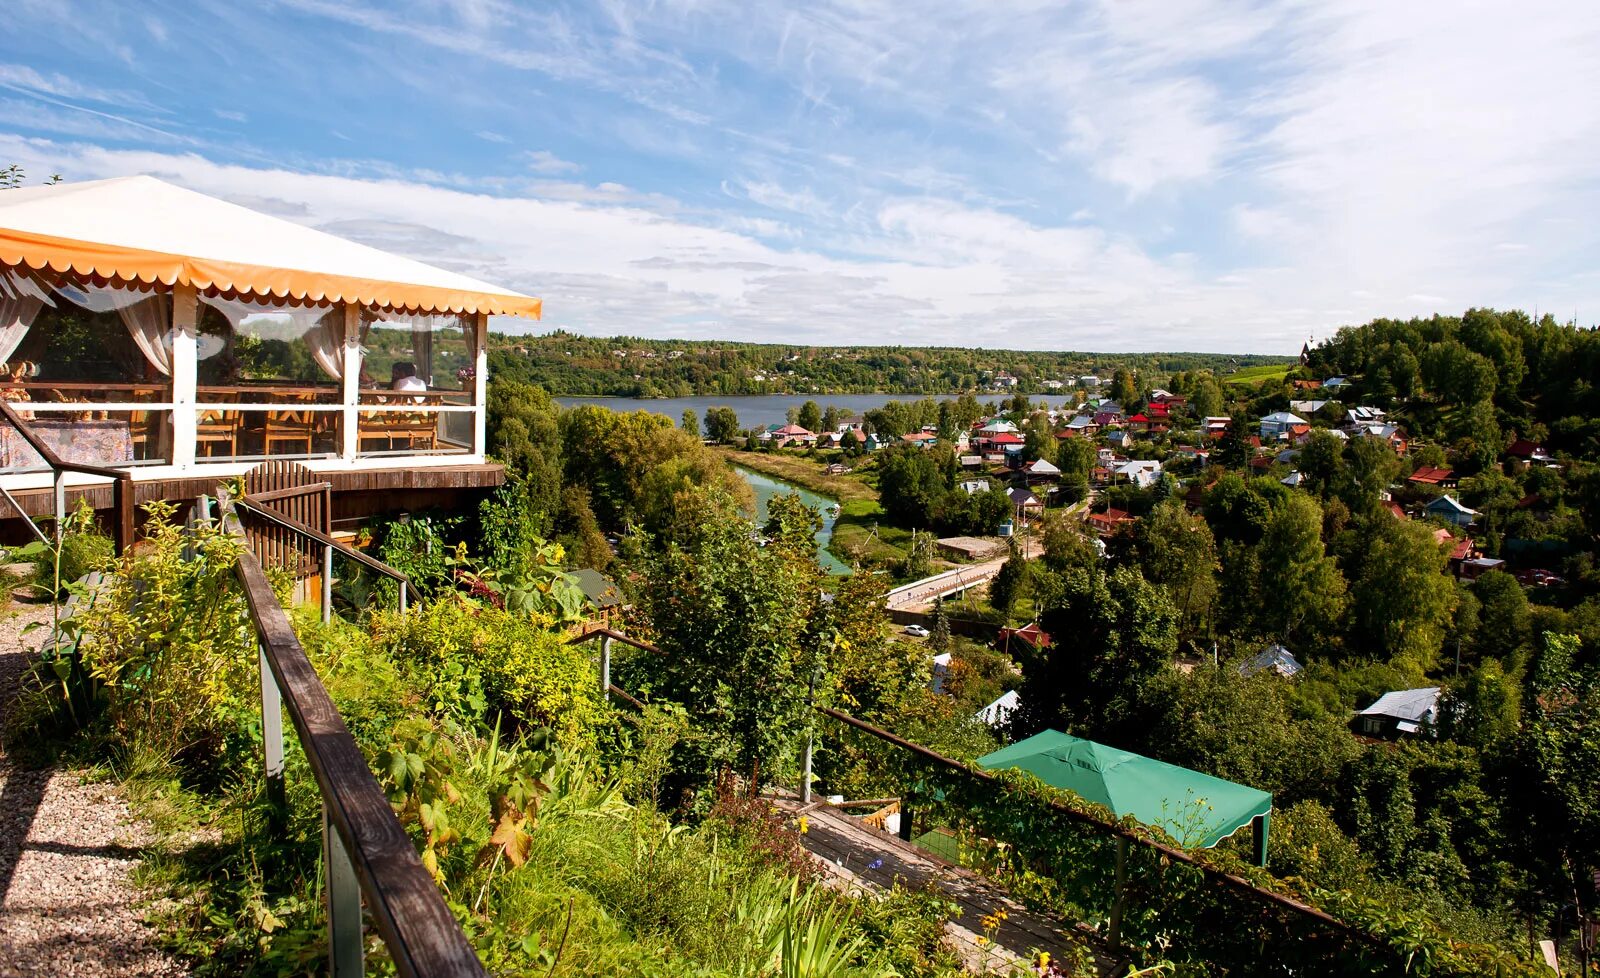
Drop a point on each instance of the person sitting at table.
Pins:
(403, 377)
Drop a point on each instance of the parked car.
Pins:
(917, 630)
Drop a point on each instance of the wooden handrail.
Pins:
(122, 482)
(422, 935)
(256, 504)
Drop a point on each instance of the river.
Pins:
(767, 487)
(756, 410)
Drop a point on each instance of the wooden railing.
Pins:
(258, 506)
(367, 855)
(121, 486)
(1123, 835)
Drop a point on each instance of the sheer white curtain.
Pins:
(325, 340)
(147, 315)
(322, 330)
(149, 322)
(21, 298)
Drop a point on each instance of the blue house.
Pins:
(1448, 509)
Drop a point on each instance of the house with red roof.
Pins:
(1427, 475)
(1105, 524)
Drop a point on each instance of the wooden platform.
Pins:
(858, 857)
(357, 493)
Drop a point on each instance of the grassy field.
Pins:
(806, 472)
(1250, 376)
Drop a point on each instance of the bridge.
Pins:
(907, 597)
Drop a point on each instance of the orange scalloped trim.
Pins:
(40, 251)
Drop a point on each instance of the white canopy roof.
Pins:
(141, 228)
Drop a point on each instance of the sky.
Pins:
(1106, 175)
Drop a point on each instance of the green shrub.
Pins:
(470, 663)
(81, 553)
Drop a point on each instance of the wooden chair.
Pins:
(294, 427)
(217, 428)
(409, 426)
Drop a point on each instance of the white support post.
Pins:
(351, 429)
(342, 893)
(271, 732)
(185, 367)
(480, 387)
(605, 668)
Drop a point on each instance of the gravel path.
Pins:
(66, 848)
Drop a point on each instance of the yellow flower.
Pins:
(803, 825)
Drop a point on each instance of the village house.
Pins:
(1279, 425)
(922, 439)
(1215, 426)
(1449, 509)
(1426, 475)
(853, 423)
(1025, 503)
(1040, 471)
(1400, 713)
(1528, 453)
(973, 486)
(1143, 473)
(1335, 383)
(1106, 523)
(1273, 658)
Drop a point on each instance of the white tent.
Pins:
(141, 228)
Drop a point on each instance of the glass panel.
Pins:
(423, 353)
(252, 351)
(65, 338)
(290, 431)
(119, 438)
(396, 431)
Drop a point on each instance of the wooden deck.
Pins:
(356, 493)
(858, 857)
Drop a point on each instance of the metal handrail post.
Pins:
(342, 896)
(60, 495)
(402, 599)
(271, 732)
(605, 668)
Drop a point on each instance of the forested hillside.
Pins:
(565, 364)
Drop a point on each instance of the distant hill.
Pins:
(624, 366)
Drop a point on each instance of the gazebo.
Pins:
(184, 339)
(1196, 809)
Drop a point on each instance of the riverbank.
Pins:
(858, 535)
(807, 474)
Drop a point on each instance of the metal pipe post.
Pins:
(271, 732)
(1119, 903)
(327, 583)
(811, 727)
(61, 505)
(402, 599)
(342, 894)
(605, 668)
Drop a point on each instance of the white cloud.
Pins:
(544, 161)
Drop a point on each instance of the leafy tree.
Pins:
(722, 424)
(1205, 398)
(1039, 440)
(1124, 388)
(1112, 633)
(1552, 769)
(1076, 458)
(1066, 543)
(832, 416)
(1177, 551)
(1007, 586)
(1234, 450)
(732, 618)
(939, 634)
(524, 432)
(1483, 708)
(1402, 602)
(1302, 587)
(810, 417)
(1504, 623)
(691, 422)
(911, 485)
(1370, 467)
